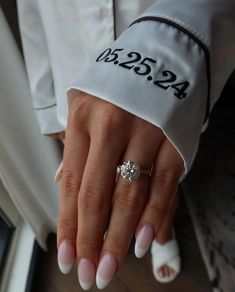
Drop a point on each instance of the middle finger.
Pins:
(94, 201)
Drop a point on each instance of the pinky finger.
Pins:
(169, 167)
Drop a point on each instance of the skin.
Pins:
(99, 136)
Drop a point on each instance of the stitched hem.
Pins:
(45, 107)
(114, 20)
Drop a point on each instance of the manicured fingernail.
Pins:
(86, 274)
(58, 174)
(65, 256)
(143, 240)
(106, 270)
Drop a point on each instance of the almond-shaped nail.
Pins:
(143, 240)
(86, 273)
(106, 269)
(65, 256)
(58, 174)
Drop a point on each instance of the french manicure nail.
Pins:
(106, 270)
(143, 240)
(86, 274)
(58, 174)
(65, 256)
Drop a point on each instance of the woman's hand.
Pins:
(100, 136)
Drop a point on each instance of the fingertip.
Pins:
(65, 256)
(143, 240)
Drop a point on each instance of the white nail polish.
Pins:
(106, 269)
(65, 269)
(65, 256)
(101, 283)
(86, 273)
(85, 286)
(139, 252)
(143, 240)
(58, 174)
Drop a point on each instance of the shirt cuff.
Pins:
(47, 119)
(158, 73)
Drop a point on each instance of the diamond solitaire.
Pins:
(131, 170)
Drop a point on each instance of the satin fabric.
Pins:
(194, 39)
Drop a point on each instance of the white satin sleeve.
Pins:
(169, 68)
(38, 66)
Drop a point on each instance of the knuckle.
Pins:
(159, 209)
(70, 183)
(110, 120)
(118, 245)
(85, 243)
(129, 200)
(91, 200)
(107, 127)
(166, 179)
(66, 224)
(78, 112)
(110, 110)
(87, 247)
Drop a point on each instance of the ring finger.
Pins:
(128, 203)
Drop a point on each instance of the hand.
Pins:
(100, 136)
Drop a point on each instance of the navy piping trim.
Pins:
(45, 107)
(200, 44)
(114, 20)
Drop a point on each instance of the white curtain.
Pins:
(28, 160)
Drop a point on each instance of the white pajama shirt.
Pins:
(165, 61)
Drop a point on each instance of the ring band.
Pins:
(131, 170)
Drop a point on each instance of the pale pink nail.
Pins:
(58, 174)
(86, 273)
(143, 240)
(106, 270)
(65, 256)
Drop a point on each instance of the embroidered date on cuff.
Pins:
(143, 66)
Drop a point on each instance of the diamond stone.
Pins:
(130, 170)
